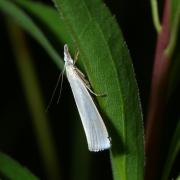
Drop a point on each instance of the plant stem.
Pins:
(157, 101)
(155, 15)
(35, 101)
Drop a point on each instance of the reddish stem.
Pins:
(157, 101)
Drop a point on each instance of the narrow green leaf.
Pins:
(49, 16)
(174, 149)
(35, 102)
(12, 170)
(178, 178)
(105, 59)
(174, 79)
(155, 15)
(174, 10)
(173, 47)
(27, 24)
(175, 27)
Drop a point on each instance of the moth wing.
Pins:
(94, 127)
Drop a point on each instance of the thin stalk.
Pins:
(157, 101)
(155, 15)
(174, 34)
(173, 152)
(35, 101)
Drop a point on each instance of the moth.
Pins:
(94, 127)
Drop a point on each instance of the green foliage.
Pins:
(174, 45)
(106, 61)
(49, 16)
(175, 5)
(178, 178)
(155, 15)
(110, 56)
(175, 27)
(174, 73)
(12, 170)
(174, 149)
(27, 24)
(173, 52)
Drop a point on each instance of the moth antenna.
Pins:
(60, 87)
(55, 88)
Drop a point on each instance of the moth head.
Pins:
(67, 56)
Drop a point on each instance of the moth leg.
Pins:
(79, 72)
(86, 82)
(92, 92)
(76, 56)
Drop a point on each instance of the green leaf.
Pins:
(40, 121)
(174, 79)
(175, 27)
(178, 178)
(49, 16)
(27, 24)
(173, 47)
(105, 59)
(175, 5)
(155, 15)
(10, 169)
(174, 149)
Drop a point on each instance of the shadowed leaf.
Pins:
(10, 169)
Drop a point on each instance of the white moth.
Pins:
(94, 127)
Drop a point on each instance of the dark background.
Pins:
(16, 131)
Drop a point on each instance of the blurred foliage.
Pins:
(105, 59)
